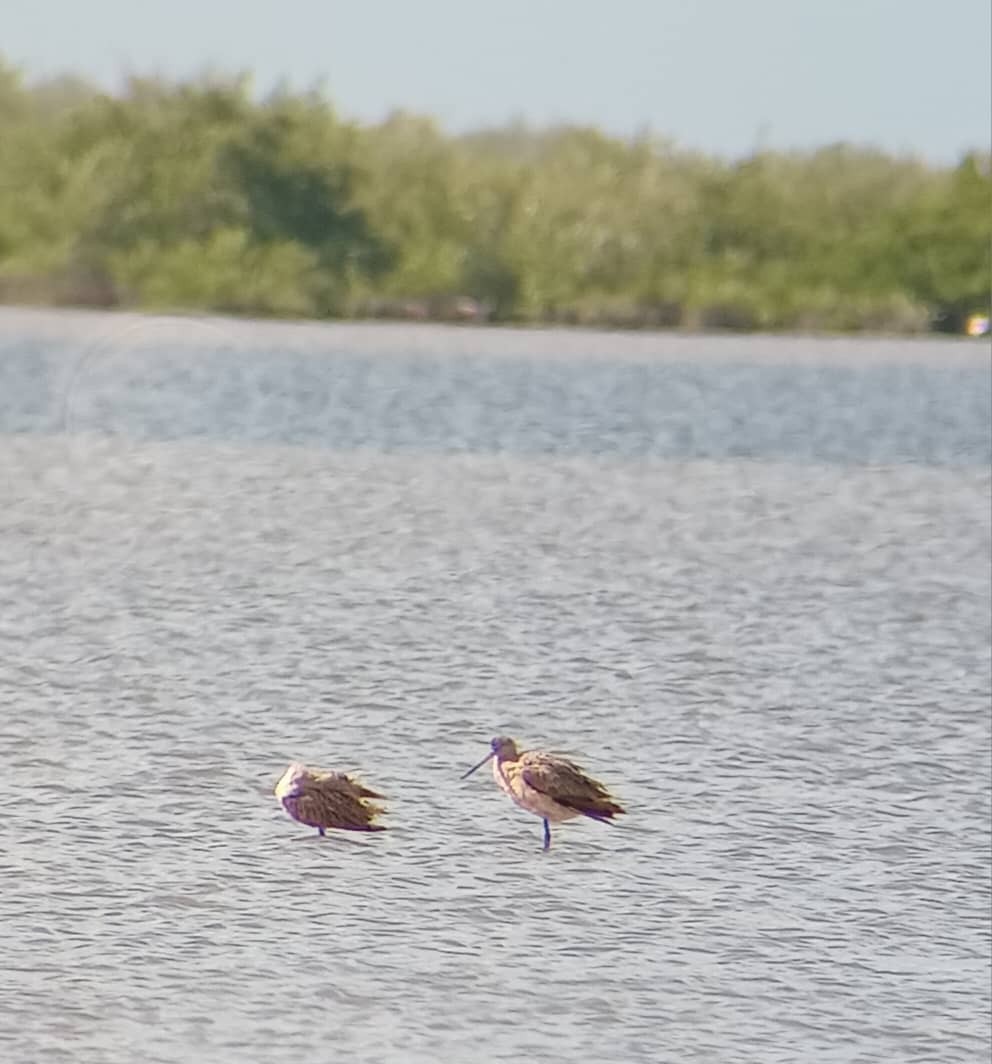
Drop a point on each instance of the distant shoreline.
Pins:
(119, 328)
(419, 313)
(195, 194)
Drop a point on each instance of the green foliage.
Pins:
(227, 271)
(197, 196)
(945, 243)
(288, 165)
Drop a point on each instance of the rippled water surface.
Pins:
(744, 581)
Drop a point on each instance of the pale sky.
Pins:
(720, 75)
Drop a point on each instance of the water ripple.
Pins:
(782, 669)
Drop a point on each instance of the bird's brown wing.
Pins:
(565, 783)
(346, 783)
(329, 803)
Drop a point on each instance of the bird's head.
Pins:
(502, 748)
(291, 781)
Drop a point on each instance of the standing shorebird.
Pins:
(327, 800)
(550, 786)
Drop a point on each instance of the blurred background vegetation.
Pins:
(197, 196)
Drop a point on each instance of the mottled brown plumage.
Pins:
(324, 800)
(564, 782)
(550, 786)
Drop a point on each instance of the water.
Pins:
(744, 581)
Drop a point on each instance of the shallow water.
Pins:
(745, 582)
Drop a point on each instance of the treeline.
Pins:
(196, 196)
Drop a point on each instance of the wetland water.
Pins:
(745, 581)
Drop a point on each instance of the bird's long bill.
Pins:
(475, 768)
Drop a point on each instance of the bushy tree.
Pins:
(198, 195)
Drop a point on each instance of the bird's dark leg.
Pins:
(320, 831)
(547, 835)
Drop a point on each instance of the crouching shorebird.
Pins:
(552, 787)
(324, 800)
